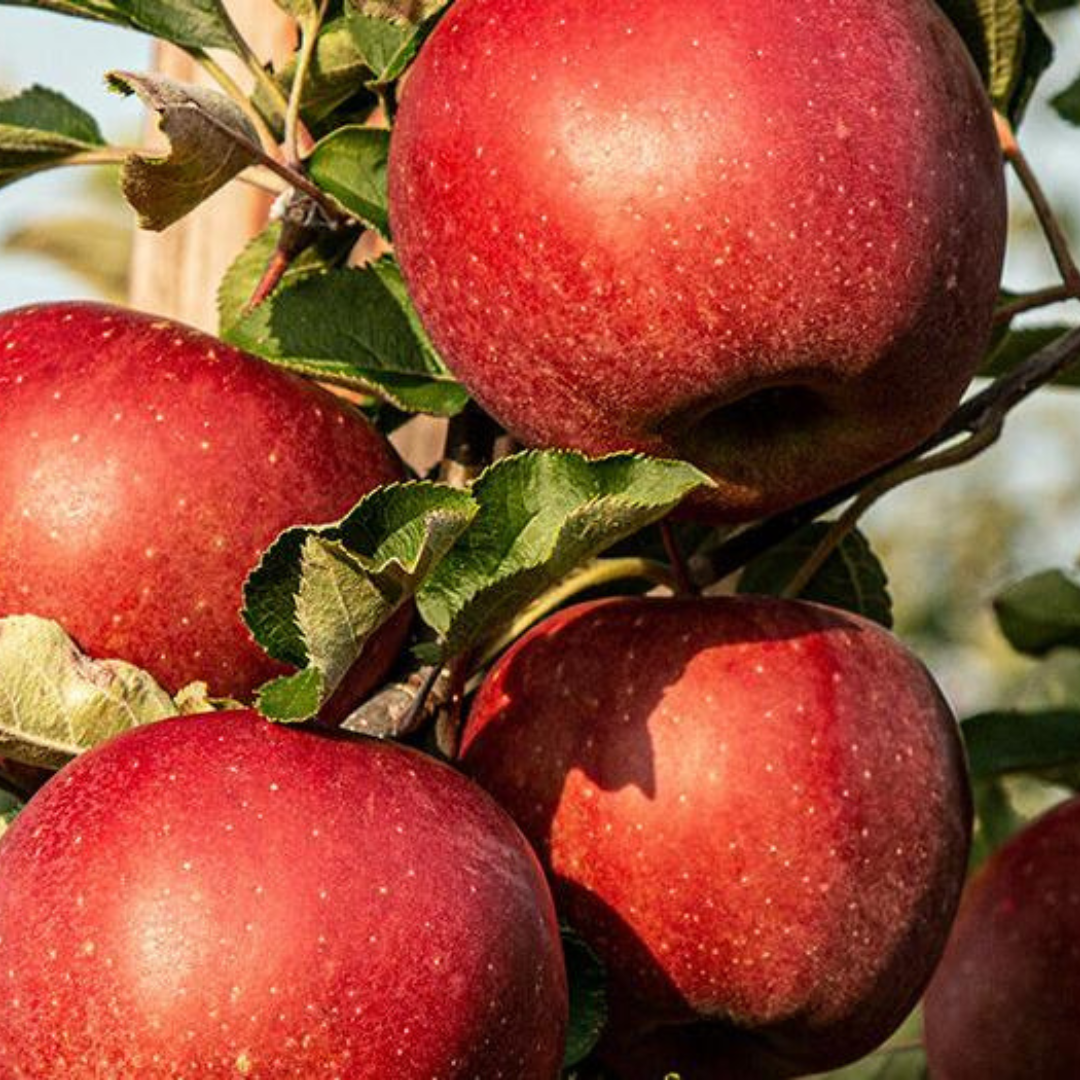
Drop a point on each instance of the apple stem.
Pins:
(590, 576)
(448, 724)
(684, 586)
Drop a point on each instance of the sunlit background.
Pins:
(950, 542)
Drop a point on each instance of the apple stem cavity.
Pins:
(981, 417)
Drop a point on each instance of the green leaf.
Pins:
(200, 24)
(56, 702)
(319, 593)
(996, 819)
(401, 12)
(387, 48)
(40, 128)
(303, 11)
(1008, 45)
(1018, 345)
(1041, 612)
(1045, 743)
(10, 808)
(1067, 103)
(211, 142)
(239, 282)
(388, 33)
(355, 327)
(336, 73)
(541, 514)
(588, 997)
(350, 164)
(1036, 58)
(851, 578)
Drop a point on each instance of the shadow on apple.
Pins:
(755, 811)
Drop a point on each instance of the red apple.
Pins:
(144, 467)
(755, 811)
(222, 896)
(1002, 1004)
(727, 232)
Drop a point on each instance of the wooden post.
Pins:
(175, 273)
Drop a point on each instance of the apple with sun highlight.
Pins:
(224, 897)
(144, 468)
(761, 237)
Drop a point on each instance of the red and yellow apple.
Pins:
(755, 811)
(144, 467)
(757, 236)
(220, 896)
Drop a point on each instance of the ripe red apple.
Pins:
(1002, 1004)
(222, 896)
(144, 467)
(739, 234)
(756, 812)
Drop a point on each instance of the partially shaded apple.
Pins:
(223, 897)
(758, 236)
(1002, 1004)
(755, 811)
(144, 467)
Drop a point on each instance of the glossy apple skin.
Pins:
(727, 232)
(222, 896)
(1003, 1002)
(756, 811)
(144, 468)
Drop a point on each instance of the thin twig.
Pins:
(255, 66)
(309, 34)
(955, 455)
(1051, 226)
(236, 94)
(1054, 294)
(295, 178)
(984, 410)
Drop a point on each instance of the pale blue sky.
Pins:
(69, 55)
